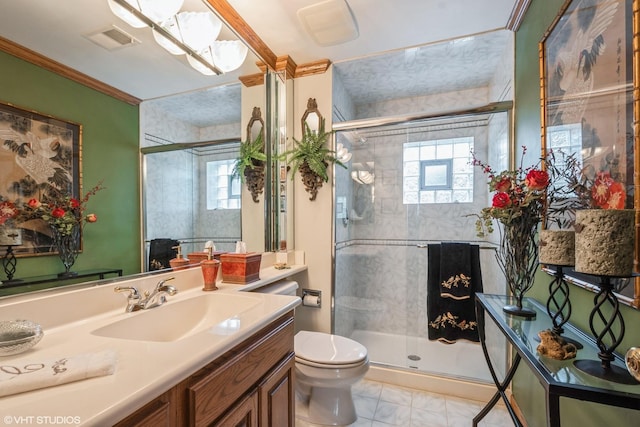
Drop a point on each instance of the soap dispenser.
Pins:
(210, 271)
(178, 263)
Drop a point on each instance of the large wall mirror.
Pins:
(589, 111)
(186, 117)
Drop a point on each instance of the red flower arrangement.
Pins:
(575, 186)
(518, 204)
(608, 193)
(519, 196)
(8, 211)
(59, 210)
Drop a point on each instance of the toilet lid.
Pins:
(327, 349)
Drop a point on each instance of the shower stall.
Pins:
(410, 184)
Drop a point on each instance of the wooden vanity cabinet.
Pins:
(250, 385)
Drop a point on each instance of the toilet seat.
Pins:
(327, 365)
(323, 350)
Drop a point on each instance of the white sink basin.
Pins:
(174, 321)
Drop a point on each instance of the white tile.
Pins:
(397, 395)
(428, 401)
(367, 388)
(391, 413)
(365, 406)
(424, 418)
(466, 408)
(361, 422)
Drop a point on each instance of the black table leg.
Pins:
(500, 385)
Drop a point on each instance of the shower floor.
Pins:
(463, 359)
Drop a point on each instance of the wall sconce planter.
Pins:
(250, 163)
(310, 155)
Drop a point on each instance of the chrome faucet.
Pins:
(158, 296)
(133, 299)
(154, 299)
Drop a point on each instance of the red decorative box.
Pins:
(240, 268)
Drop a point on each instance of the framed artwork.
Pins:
(587, 93)
(37, 152)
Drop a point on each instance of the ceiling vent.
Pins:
(112, 38)
(329, 23)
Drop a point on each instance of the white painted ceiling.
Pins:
(57, 29)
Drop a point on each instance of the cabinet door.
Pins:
(156, 413)
(277, 395)
(242, 414)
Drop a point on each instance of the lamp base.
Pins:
(67, 274)
(611, 373)
(519, 311)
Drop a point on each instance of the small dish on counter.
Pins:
(17, 336)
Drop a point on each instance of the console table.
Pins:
(559, 378)
(98, 273)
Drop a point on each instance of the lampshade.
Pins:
(198, 29)
(171, 25)
(156, 10)
(206, 55)
(228, 55)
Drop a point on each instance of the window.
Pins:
(438, 171)
(223, 189)
(435, 174)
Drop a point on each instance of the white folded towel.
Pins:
(23, 375)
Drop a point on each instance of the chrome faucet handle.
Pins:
(133, 299)
(161, 282)
(133, 292)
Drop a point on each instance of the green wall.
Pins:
(109, 154)
(527, 390)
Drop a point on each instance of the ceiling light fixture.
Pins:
(157, 11)
(173, 38)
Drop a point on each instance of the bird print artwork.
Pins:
(36, 157)
(573, 50)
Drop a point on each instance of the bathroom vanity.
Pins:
(253, 383)
(202, 358)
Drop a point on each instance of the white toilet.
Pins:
(326, 368)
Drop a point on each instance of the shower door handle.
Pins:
(421, 246)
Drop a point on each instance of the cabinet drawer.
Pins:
(222, 383)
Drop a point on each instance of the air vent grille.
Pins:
(112, 38)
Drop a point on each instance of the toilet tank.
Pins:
(282, 287)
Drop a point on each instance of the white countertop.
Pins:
(144, 369)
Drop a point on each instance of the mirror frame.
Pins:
(632, 15)
(312, 108)
(256, 116)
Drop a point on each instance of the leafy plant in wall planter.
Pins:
(311, 157)
(250, 165)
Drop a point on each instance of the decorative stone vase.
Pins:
(557, 247)
(605, 242)
(67, 245)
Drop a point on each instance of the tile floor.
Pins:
(383, 405)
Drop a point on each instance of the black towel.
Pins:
(160, 252)
(451, 319)
(455, 270)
